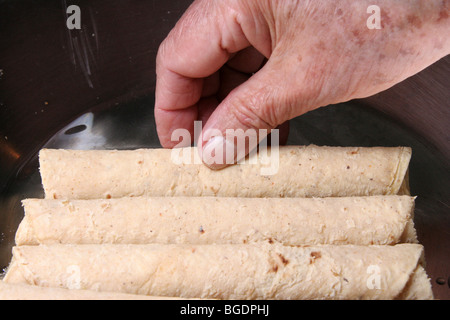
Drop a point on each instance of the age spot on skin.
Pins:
(443, 15)
(415, 21)
(359, 39)
(320, 45)
(385, 19)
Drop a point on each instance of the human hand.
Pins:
(211, 65)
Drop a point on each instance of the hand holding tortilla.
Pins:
(210, 67)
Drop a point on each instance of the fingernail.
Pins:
(218, 153)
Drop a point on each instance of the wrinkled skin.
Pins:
(258, 63)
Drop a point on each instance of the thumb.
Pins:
(246, 116)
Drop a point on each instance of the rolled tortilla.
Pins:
(219, 220)
(250, 271)
(295, 171)
(10, 291)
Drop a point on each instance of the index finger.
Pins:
(199, 44)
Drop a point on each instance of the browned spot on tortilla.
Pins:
(275, 264)
(283, 259)
(214, 190)
(314, 255)
(336, 274)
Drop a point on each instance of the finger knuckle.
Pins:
(256, 110)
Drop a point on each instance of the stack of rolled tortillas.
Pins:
(328, 223)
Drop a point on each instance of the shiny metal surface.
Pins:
(47, 100)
